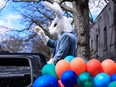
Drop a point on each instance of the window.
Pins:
(114, 33)
(105, 38)
(91, 44)
(97, 41)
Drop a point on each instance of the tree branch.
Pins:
(4, 5)
(66, 8)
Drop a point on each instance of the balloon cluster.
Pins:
(77, 72)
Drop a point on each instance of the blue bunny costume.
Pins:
(64, 46)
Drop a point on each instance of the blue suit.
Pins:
(64, 46)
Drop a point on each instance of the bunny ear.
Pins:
(55, 7)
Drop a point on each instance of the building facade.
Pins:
(103, 33)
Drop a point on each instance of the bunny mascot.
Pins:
(66, 43)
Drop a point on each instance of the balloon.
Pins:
(113, 77)
(60, 83)
(76, 85)
(108, 66)
(78, 65)
(62, 66)
(94, 67)
(86, 61)
(49, 69)
(85, 79)
(115, 67)
(69, 58)
(112, 84)
(69, 78)
(102, 80)
(46, 81)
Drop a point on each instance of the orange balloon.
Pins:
(78, 65)
(61, 67)
(60, 83)
(108, 66)
(94, 67)
(115, 67)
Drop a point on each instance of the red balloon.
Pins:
(61, 67)
(108, 66)
(76, 85)
(60, 83)
(94, 67)
(78, 65)
(115, 66)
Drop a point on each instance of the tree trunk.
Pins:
(81, 20)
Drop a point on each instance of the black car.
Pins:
(20, 69)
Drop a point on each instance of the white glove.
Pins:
(42, 35)
(51, 61)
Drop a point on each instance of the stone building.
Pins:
(103, 33)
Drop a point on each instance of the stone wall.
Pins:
(103, 33)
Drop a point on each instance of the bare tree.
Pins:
(80, 10)
(34, 13)
(39, 47)
(3, 5)
(13, 44)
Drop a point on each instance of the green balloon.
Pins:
(49, 69)
(85, 79)
(112, 84)
(86, 61)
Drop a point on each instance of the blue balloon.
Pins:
(69, 58)
(46, 81)
(113, 77)
(69, 78)
(102, 80)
